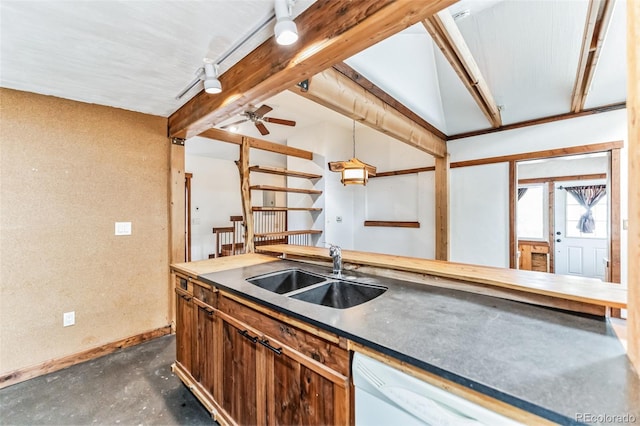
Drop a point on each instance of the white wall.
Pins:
(404, 198)
(563, 166)
(328, 143)
(215, 188)
(479, 215)
(605, 127)
(396, 198)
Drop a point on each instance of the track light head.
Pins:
(285, 31)
(211, 83)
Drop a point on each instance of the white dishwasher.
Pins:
(386, 396)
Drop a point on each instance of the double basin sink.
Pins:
(313, 288)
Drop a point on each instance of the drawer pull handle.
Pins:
(246, 334)
(266, 344)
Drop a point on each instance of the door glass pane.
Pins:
(575, 211)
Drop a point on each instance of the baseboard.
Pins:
(52, 365)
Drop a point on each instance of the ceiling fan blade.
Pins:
(264, 109)
(279, 121)
(234, 123)
(262, 128)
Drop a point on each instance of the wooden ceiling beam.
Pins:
(330, 31)
(339, 93)
(448, 38)
(596, 26)
(366, 84)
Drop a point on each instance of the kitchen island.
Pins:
(530, 363)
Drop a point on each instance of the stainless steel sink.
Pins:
(340, 294)
(286, 281)
(320, 290)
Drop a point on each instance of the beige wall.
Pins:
(68, 171)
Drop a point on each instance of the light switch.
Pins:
(625, 224)
(68, 318)
(123, 228)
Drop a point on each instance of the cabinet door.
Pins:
(204, 347)
(184, 329)
(239, 369)
(298, 395)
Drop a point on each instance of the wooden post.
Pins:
(177, 242)
(187, 194)
(245, 191)
(442, 208)
(513, 189)
(633, 111)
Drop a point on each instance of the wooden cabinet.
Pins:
(278, 374)
(238, 374)
(253, 367)
(184, 328)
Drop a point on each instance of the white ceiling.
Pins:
(139, 55)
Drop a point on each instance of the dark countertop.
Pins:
(548, 362)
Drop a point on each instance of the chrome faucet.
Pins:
(336, 253)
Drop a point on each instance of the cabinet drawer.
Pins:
(184, 283)
(314, 347)
(205, 294)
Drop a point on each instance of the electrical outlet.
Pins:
(123, 228)
(68, 318)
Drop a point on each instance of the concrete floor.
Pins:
(133, 386)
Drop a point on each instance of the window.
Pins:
(531, 213)
(575, 210)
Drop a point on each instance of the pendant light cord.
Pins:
(353, 133)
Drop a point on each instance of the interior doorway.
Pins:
(563, 215)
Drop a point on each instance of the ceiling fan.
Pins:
(258, 118)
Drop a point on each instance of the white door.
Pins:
(576, 253)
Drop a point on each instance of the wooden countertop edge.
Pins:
(603, 294)
(208, 266)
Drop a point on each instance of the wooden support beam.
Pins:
(177, 216)
(448, 38)
(363, 82)
(235, 138)
(554, 152)
(596, 26)
(633, 99)
(333, 90)
(513, 238)
(614, 200)
(245, 191)
(544, 120)
(331, 31)
(442, 208)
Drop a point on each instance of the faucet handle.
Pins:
(335, 250)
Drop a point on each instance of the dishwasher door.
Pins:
(385, 395)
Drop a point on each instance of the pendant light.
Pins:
(354, 171)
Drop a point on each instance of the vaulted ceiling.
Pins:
(140, 55)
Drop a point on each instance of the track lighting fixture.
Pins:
(286, 33)
(285, 30)
(211, 83)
